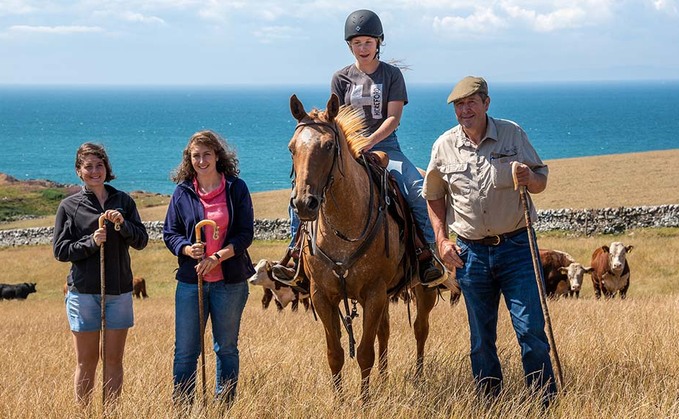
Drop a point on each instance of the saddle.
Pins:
(416, 247)
(390, 196)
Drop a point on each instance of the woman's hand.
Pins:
(206, 265)
(114, 216)
(99, 235)
(195, 251)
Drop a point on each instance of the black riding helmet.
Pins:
(363, 23)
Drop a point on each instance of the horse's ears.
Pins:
(333, 106)
(297, 108)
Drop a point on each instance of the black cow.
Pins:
(20, 291)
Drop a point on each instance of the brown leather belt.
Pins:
(494, 240)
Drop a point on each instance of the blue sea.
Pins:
(145, 129)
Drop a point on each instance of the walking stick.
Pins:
(538, 274)
(102, 276)
(201, 311)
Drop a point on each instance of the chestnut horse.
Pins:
(353, 249)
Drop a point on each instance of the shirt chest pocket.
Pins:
(501, 172)
(457, 177)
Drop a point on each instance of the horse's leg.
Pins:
(383, 332)
(373, 311)
(425, 300)
(327, 311)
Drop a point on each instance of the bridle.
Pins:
(336, 157)
(310, 229)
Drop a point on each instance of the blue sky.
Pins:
(180, 42)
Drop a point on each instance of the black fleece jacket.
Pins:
(76, 221)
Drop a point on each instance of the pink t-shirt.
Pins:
(215, 210)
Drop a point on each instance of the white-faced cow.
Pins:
(611, 273)
(563, 275)
(283, 294)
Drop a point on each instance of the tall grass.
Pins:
(619, 357)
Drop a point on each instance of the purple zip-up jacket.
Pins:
(185, 211)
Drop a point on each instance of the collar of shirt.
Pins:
(462, 140)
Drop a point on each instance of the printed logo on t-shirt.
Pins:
(373, 99)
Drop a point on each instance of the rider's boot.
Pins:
(431, 270)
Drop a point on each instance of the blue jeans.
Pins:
(506, 269)
(223, 304)
(409, 181)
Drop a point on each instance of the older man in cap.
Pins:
(470, 191)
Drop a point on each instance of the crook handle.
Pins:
(215, 229)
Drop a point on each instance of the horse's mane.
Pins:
(352, 123)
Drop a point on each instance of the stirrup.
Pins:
(438, 265)
(436, 282)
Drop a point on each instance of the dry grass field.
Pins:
(619, 358)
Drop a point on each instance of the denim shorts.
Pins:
(84, 311)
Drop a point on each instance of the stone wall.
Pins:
(264, 230)
(583, 222)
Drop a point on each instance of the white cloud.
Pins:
(537, 16)
(15, 7)
(481, 21)
(54, 29)
(270, 34)
(220, 11)
(568, 17)
(666, 6)
(140, 18)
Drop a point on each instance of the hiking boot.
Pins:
(431, 274)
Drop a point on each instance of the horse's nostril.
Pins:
(313, 203)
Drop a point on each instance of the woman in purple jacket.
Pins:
(208, 187)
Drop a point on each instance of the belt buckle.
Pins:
(496, 240)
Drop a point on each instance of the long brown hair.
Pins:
(227, 162)
(96, 150)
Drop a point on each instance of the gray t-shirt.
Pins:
(371, 92)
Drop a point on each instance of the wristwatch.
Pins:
(215, 254)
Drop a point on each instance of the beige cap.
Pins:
(467, 87)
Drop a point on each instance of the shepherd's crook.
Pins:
(538, 274)
(102, 276)
(215, 235)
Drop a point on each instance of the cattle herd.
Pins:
(608, 268)
(563, 276)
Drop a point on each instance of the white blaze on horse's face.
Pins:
(304, 137)
(617, 257)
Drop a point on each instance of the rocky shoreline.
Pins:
(581, 222)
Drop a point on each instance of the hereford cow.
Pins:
(563, 275)
(282, 293)
(139, 287)
(18, 291)
(266, 300)
(611, 273)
